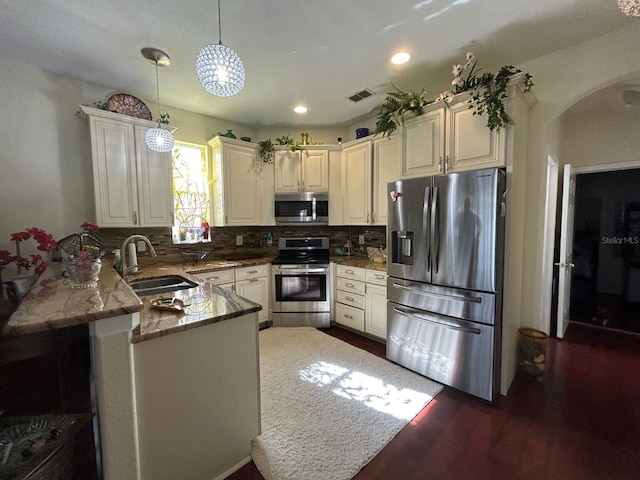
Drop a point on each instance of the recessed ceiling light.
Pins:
(300, 109)
(400, 58)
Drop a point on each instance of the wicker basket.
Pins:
(39, 448)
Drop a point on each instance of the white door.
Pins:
(565, 263)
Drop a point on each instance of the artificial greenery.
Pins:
(398, 103)
(488, 92)
(266, 151)
(286, 140)
(164, 118)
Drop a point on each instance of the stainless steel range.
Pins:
(301, 294)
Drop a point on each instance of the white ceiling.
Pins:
(315, 52)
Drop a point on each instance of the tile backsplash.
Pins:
(223, 239)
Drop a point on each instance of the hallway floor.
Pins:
(580, 421)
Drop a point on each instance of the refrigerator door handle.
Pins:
(435, 229)
(413, 314)
(444, 296)
(425, 224)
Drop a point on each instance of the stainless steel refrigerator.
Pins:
(446, 241)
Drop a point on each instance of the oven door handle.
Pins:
(301, 271)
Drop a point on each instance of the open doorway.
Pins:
(605, 281)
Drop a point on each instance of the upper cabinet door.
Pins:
(386, 158)
(470, 144)
(315, 170)
(242, 192)
(155, 180)
(423, 143)
(287, 171)
(114, 172)
(356, 177)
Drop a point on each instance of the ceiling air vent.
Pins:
(356, 97)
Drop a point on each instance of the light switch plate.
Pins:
(239, 240)
(361, 239)
(142, 247)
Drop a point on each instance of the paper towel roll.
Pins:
(133, 258)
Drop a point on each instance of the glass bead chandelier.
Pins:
(219, 68)
(631, 8)
(157, 138)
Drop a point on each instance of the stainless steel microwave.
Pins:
(302, 207)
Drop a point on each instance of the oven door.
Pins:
(301, 288)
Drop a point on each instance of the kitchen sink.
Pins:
(170, 283)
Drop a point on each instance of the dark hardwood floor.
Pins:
(580, 421)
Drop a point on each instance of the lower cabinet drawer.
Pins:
(218, 277)
(350, 285)
(350, 316)
(352, 299)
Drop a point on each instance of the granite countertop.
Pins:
(359, 261)
(53, 304)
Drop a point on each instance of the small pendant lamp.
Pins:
(219, 68)
(158, 139)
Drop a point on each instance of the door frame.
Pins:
(547, 283)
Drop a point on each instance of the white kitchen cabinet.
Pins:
(304, 170)
(423, 142)
(237, 186)
(357, 183)
(386, 155)
(375, 320)
(132, 184)
(361, 300)
(470, 143)
(253, 283)
(449, 138)
(224, 279)
(248, 282)
(368, 165)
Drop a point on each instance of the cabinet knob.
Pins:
(135, 218)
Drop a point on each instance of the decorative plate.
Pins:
(128, 105)
(174, 304)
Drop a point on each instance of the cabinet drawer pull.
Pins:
(252, 280)
(215, 277)
(351, 299)
(350, 285)
(350, 272)
(348, 316)
(379, 277)
(252, 271)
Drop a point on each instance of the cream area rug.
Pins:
(328, 407)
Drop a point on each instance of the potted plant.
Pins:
(83, 264)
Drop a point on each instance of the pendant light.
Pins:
(630, 8)
(158, 139)
(219, 68)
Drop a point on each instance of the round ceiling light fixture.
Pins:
(400, 58)
(630, 8)
(219, 68)
(300, 109)
(631, 95)
(157, 138)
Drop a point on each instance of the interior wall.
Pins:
(45, 168)
(561, 80)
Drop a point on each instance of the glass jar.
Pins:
(83, 272)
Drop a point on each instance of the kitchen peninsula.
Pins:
(177, 392)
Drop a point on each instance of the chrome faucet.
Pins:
(123, 253)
